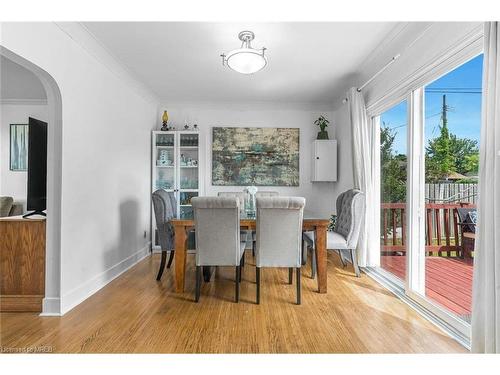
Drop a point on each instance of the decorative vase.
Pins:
(322, 134)
(164, 119)
(250, 200)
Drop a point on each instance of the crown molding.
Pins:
(83, 37)
(23, 101)
(250, 105)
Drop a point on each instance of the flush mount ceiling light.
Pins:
(245, 60)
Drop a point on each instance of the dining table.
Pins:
(311, 222)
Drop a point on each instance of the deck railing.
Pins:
(443, 230)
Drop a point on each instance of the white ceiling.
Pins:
(180, 61)
(18, 83)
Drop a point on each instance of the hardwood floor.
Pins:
(135, 313)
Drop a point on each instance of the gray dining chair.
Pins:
(262, 194)
(345, 235)
(238, 194)
(279, 237)
(218, 239)
(266, 194)
(165, 209)
(241, 198)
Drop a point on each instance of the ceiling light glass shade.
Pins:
(246, 60)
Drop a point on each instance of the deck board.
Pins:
(448, 280)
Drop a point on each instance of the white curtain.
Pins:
(486, 284)
(364, 147)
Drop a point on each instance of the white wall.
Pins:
(13, 183)
(320, 197)
(106, 124)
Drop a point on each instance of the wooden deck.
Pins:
(448, 281)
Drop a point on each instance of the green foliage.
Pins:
(331, 224)
(322, 122)
(447, 153)
(439, 155)
(392, 168)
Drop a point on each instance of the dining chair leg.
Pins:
(257, 281)
(354, 259)
(290, 275)
(162, 265)
(170, 259)
(237, 284)
(207, 273)
(304, 252)
(342, 260)
(314, 264)
(198, 283)
(298, 286)
(253, 249)
(242, 262)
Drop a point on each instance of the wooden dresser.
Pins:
(22, 264)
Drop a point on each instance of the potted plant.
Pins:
(322, 122)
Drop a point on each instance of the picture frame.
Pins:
(18, 152)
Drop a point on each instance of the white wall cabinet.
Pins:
(176, 167)
(324, 166)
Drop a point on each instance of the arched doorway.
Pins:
(51, 302)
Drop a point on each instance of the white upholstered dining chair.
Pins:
(344, 237)
(218, 240)
(279, 236)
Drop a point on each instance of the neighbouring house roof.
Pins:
(455, 176)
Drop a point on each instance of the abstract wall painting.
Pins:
(255, 156)
(18, 147)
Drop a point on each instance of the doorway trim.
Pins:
(51, 305)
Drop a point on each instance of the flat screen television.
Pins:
(37, 167)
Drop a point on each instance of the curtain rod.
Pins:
(394, 58)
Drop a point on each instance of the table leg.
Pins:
(321, 258)
(180, 257)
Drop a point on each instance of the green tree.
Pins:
(448, 153)
(392, 167)
(439, 155)
(465, 153)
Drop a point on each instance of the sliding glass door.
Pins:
(429, 159)
(393, 176)
(452, 132)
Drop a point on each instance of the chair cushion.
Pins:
(335, 241)
(5, 206)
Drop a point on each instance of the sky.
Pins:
(464, 117)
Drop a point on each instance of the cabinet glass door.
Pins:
(165, 161)
(188, 172)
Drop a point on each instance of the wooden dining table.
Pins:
(310, 223)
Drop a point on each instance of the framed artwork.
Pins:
(255, 156)
(19, 147)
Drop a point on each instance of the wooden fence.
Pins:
(442, 228)
(451, 192)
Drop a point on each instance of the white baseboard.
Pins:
(51, 307)
(90, 287)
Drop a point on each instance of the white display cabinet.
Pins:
(176, 168)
